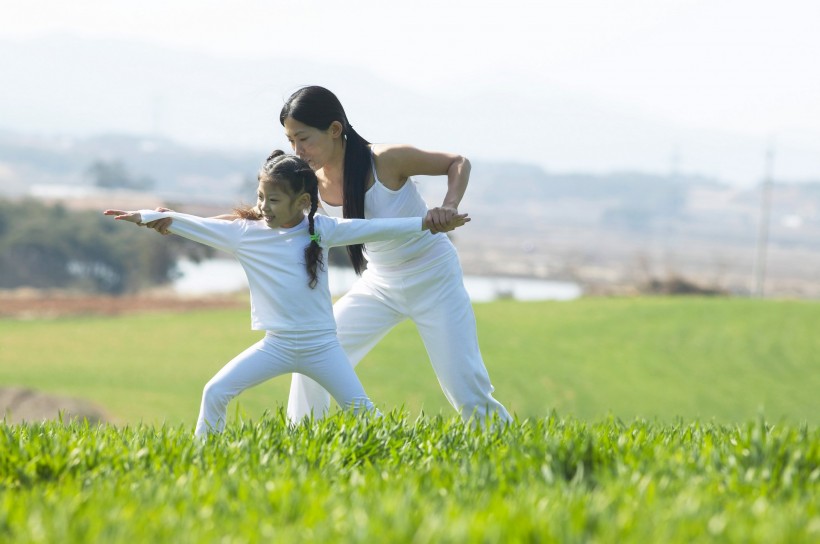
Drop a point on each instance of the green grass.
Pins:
(722, 360)
(638, 420)
(397, 479)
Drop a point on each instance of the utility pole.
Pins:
(763, 228)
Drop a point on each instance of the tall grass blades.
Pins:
(399, 479)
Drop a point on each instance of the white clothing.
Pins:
(436, 301)
(273, 261)
(298, 320)
(317, 355)
(399, 254)
(420, 279)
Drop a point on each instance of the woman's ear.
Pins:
(336, 129)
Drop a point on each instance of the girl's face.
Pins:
(316, 147)
(280, 209)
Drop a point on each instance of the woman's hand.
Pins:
(444, 219)
(161, 225)
(122, 215)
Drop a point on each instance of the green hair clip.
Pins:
(316, 238)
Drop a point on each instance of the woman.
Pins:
(418, 279)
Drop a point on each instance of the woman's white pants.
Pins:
(437, 302)
(314, 354)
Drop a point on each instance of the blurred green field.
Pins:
(722, 360)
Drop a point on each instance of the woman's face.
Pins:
(314, 146)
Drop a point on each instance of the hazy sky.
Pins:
(744, 66)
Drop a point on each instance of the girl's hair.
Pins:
(296, 177)
(317, 107)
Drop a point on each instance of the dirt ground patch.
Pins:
(34, 304)
(18, 405)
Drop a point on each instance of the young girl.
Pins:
(275, 244)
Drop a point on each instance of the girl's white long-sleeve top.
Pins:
(274, 261)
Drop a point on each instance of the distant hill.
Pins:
(61, 84)
(198, 174)
(193, 173)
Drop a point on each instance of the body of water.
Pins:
(226, 276)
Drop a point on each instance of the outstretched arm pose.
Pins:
(410, 280)
(282, 250)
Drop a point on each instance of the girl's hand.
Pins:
(131, 217)
(444, 220)
(161, 225)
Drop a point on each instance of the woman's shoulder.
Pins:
(391, 152)
(400, 161)
(391, 163)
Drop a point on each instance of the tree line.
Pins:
(51, 247)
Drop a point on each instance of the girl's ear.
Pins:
(304, 201)
(335, 129)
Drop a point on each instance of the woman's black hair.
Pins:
(296, 177)
(317, 107)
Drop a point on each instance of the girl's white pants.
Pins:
(437, 302)
(314, 354)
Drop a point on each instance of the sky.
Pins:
(743, 67)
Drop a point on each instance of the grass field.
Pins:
(638, 420)
(400, 480)
(726, 360)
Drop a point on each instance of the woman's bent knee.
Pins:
(216, 392)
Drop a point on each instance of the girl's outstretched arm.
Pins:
(452, 222)
(122, 215)
(163, 225)
(218, 234)
(341, 232)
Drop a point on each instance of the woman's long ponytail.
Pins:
(356, 171)
(318, 107)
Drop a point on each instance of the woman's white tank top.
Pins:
(404, 255)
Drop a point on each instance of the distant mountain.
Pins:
(177, 171)
(79, 88)
(185, 173)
